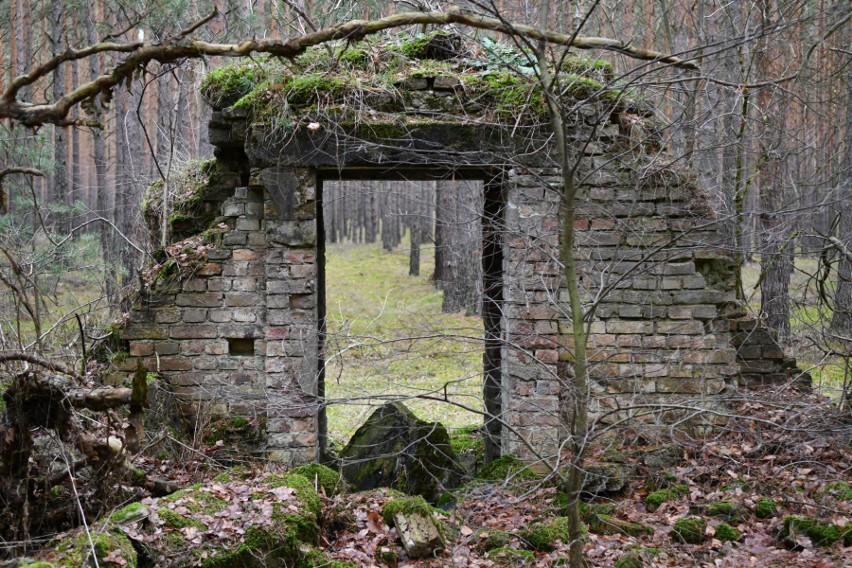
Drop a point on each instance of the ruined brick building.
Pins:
(240, 330)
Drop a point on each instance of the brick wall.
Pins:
(240, 335)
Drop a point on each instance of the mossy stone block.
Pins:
(396, 449)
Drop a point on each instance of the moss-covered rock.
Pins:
(129, 514)
(657, 498)
(543, 535)
(689, 530)
(508, 467)
(726, 532)
(765, 509)
(511, 557)
(396, 449)
(76, 550)
(606, 523)
(408, 505)
(496, 539)
(276, 514)
(608, 478)
(819, 532)
(660, 458)
(725, 510)
(323, 476)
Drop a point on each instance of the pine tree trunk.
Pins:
(59, 191)
(461, 269)
(841, 321)
(776, 255)
(414, 224)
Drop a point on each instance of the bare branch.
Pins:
(139, 55)
(36, 360)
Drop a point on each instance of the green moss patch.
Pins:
(224, 86)
(496, 539)
(506, 467)
(689, 530)
(330, 480)
(130, 513)
(407, 505)
(765, 509)
(375, 76)
(511, 557)
(725, 510)
(606, 523)
(819, 532)
(544, 535)
(839, 490)
(629, 560)
(726, 532)
(75, 551)
(657, 498)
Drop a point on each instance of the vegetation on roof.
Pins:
(488, 81)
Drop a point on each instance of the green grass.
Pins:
(388, 338)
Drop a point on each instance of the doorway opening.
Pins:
(410, 284)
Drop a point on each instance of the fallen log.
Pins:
(56, 412)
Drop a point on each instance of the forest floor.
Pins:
(780, 446)
(777, 445)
